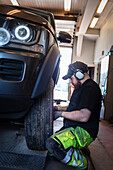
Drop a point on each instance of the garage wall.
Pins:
(87, 54)
(105, 41)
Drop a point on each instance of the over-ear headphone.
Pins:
(79, 74)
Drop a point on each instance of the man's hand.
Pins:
(56, 115)
(55, 108)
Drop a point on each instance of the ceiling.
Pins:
(80, 15)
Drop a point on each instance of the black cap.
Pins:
(74, 67)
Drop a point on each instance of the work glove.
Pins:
(55, 108)
(56, 115)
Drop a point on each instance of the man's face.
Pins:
(75, 82)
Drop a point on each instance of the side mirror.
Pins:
(64, 37)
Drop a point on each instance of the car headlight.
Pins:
(4, 36)
(22, 32)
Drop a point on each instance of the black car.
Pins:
(29, 70)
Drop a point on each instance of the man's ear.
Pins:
(79, 75)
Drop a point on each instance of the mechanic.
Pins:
(81, 118)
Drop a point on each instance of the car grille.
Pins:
(11, 70)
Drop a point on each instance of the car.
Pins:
(29, 70)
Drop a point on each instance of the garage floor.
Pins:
(13, 147)
(102, 148)
(14, 153)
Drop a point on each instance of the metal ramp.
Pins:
(11, 160)
(14, 153)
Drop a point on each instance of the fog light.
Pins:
(4, 36)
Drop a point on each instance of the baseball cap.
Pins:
(74, 67)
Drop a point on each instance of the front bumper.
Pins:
(15, 91)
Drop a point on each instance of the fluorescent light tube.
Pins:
(93, 23)
(101, 6)
(63, 29)
(67, 5)
(14, 2)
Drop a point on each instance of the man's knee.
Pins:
(50, 144)
(55, 148)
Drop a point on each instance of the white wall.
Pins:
(87, 54)
(105, 41)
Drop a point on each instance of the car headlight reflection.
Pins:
(4, 36)
(22, 32)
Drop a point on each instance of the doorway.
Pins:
(61, 90)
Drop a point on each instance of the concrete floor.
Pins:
(102, 148)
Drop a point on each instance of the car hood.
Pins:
(18, 12)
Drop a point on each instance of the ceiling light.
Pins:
(101, 6)
(14, 2)
(64, 22)
(67, 5)
(93, 23)
(63, 29)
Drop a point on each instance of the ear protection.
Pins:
(79, 74)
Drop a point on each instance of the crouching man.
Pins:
(81, 119)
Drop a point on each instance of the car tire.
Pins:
(39, 120)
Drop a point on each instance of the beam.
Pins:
(88, 14)
(70, 18)
(79, 45)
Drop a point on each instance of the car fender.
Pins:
(46, 71)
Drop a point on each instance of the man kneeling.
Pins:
(81, 118)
